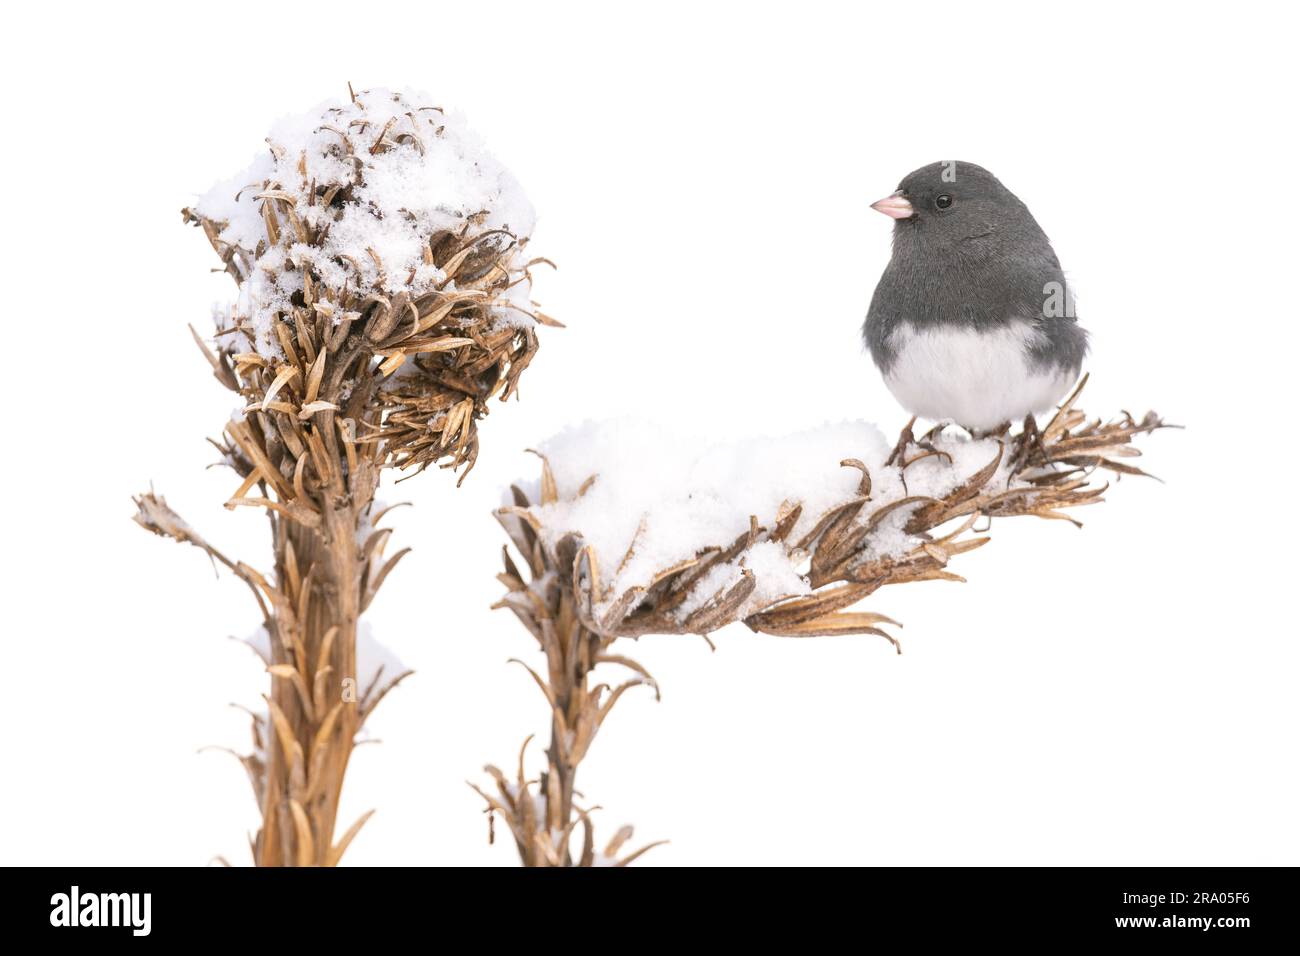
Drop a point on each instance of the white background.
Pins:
(1124, 694)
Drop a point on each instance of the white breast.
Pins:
(976, 379)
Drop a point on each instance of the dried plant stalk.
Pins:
(346, 369)
(576, 619)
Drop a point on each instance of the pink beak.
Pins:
(894, 206)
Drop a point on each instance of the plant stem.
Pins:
(319, 572)
(569, 685)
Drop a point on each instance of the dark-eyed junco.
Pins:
(972, 321)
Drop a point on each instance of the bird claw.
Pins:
(905, 439)
(979, 434)
(1030, 445)
(928, 450)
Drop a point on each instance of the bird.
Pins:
(972, 322)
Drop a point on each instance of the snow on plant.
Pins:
(383, 300)
(633, 531)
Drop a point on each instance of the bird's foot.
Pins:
(905, 439)
(1030, 447)
(928, 439)
(928, 450)
(978, 434)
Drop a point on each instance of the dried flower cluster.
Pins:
(383, 300)
(567, 603)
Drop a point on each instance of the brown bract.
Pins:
(402, 378)
(361, 380)
(577, 620)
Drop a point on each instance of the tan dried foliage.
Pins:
(366, 381)
(577, 620)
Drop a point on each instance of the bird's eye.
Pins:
(942, 202)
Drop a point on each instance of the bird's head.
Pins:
(954, 202)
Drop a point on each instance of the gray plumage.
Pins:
(970, 257)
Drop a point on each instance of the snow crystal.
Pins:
(659, 497)
(405, 171)
(260, 642)
(775, 575)
(375, 661)
(718, 580)
(366, 523)
(538, 800)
